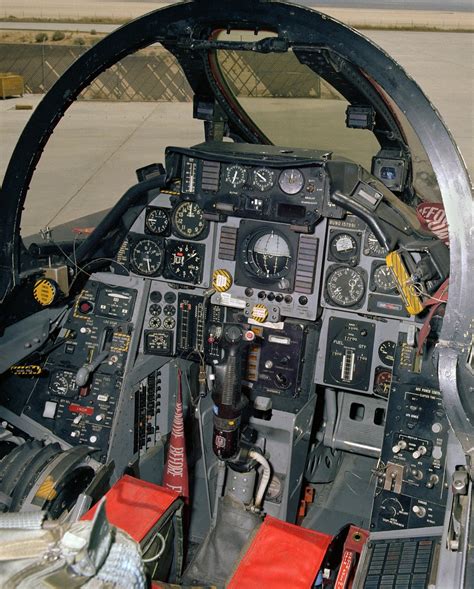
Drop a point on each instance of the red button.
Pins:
(85, 307)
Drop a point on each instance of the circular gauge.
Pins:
(146, 257)
(157, 221)
(373, 247)
(344, 247)
(169, 323)
(387, 352)
(155, 309)
(383, 279)
(62, 383)
(169, 310)
(345, 286)
(154, 322)
(188, 220)
(268, 254)
(291, 181)
(236, 175)
(382, 381)
(184, 261)
(263, 178)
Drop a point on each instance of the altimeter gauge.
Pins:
(188, 220)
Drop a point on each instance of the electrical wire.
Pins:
(418, 290)
(204, 459)
(159, 553)
(81, 268)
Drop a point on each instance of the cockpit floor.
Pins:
(348, 499)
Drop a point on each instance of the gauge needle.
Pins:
(147, 260)
(234, 178)
(261, 176)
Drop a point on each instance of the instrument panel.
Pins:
(225, 225)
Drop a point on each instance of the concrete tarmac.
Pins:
(91, 159)
(126, 9)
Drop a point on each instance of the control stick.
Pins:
(227, 396)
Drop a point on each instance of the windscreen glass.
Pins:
(291, 104)
(123, 121)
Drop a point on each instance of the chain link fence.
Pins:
(155, 75)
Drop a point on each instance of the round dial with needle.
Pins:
(62, 383)
(373, 248)
(236, 175)
(387, 352)
(156, 221)
(188, 220)
(383, 280)
(291, 181)
(184, 261)
(146, 257)
(263, 178)
(345, 286)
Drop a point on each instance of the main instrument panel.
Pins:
(250, 232)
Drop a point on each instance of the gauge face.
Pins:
(236, 175)
(158, 342)
(188, 220)
(63, 383)
(154, 322)
(382, 381)
(169, 323)
(345, 287)
(268, 255)
(344, 247)
(384, 280)
(263, 178)
(155, 309)
(373, 247)
(157, 221)
(184, 261)
(146, 257)
(387, 352)
(291, 181)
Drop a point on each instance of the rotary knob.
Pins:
(391, 508)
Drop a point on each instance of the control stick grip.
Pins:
(228, 394)
(232, 381)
